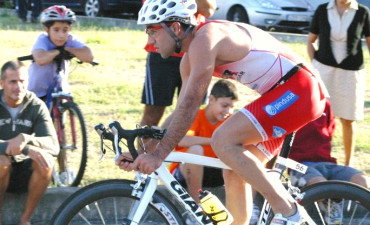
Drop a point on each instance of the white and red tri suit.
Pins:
(291, 95)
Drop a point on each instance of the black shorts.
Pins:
(212, 177)
(161, 80)
(20, 175)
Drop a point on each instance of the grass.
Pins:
(112, 90)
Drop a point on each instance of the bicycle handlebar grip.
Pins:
(100, 128)
(27, 57)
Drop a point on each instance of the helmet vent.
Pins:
(192, 6)
(152, 17)
(163, 2)
(154, 8)
(171, 4)
(162, 11)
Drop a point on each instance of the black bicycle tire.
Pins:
(336, 190)
(100, 190)
(76, 109)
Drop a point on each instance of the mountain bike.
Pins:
(138, 201)
(70, 127)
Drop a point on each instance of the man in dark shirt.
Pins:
(28, 140)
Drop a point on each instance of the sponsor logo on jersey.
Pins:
(286, 100)
(278, 131)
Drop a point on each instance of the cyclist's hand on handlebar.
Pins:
(124, 160)
(146, 163)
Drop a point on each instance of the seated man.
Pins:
(197, 140)
(28, 140)
(312, 147)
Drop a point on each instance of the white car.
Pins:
(284, 15)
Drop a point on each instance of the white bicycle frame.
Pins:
(180, 193)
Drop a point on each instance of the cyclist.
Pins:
(291, 96)
(49, 48)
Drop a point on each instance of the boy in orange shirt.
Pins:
(197, 139)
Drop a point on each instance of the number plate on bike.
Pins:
(291, 164)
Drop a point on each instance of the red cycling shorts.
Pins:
(285, 109)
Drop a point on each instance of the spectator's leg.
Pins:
(193, 174)
(36, 9)
(238, 196)
(5, 166)
(21, 7)
(152, 115)
(40, 180)
(349, 139)
(361, 179)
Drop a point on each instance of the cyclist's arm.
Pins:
(43, 57)
(84, 54)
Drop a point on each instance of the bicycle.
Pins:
(140, 202)
(70, 127)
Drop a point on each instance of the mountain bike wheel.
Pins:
(109, 202)
(72, 158)
(337, 202)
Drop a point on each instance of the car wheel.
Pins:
(237, 14)
(93, 8)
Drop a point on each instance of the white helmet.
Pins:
(58, 13)
(156, 11)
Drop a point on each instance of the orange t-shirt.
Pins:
(203, 128)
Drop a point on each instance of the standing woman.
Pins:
(339, 25)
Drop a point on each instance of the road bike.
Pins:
(133, 202)
(70, 127)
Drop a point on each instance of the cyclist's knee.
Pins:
(218, 143)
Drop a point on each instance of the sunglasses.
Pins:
(150, 31)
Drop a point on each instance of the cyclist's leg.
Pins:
(238, 197)
(268, 118)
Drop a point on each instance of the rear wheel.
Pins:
(337, 202)
(110, 202)
(72, 134)
(237, 14)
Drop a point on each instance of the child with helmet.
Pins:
(57, 21)
(48, 49)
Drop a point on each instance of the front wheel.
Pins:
(110, 202)
(72, 136)
(337, 202)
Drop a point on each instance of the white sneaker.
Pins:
(255, 214)
(333, 213)
(299, 218)
(66, 178)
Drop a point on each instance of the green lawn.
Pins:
(112, 90)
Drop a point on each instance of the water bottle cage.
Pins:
(216, 214)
